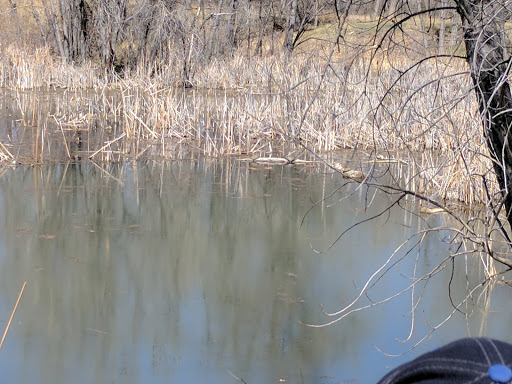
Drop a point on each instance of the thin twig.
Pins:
(63, 136)
(106, 145)
(233, 375)
(6, 151)
(12, 314)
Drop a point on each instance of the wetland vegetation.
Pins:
(226, 78)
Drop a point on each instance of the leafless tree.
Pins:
(482, 25)
(300, 15)
(478, 54)
(483, 37)
(14, 12)
(108, 24)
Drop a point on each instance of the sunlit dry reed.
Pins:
(267, 105)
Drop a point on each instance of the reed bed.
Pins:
(260, 106)
(24, 68)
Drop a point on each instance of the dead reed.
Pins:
(25, 68)
(12, 314)
(260, 105)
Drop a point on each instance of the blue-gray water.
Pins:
(200, 271)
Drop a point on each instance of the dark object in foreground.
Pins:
(469, 360)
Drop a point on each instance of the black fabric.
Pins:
(463, 361)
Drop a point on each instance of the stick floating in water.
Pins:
(12, 314)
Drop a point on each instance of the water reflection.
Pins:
(197, 270)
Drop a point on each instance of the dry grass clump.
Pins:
(267, 104)
(433, 128)
(21, 68)
(5, 154)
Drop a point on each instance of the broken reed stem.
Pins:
(6, 151)
(106, 145)
(12, 314)
(63, 136)
(226, 114)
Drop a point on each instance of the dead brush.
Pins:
(24, 68)
(239, 106)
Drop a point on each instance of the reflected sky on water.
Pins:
(202, 271)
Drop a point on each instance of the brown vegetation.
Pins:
(249, 96)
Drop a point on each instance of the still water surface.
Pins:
(199, 271)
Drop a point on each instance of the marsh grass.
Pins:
(265, 105)
(24, 68)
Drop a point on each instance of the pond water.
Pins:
(203, 271)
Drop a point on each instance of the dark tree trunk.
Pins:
(258, 51)
(35, 14)
(51, 16)
(231, 24)
(212, 49)
(442, 28)
(290, 27)
(481, 21)
(73, 32)
(14, 11)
